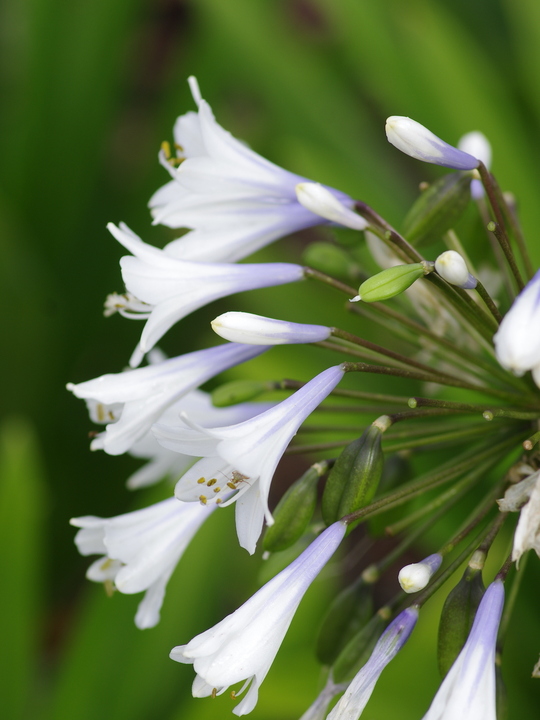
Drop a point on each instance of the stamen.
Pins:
(217, 489)
(203, 499)
(200, 481)
(211, 482)
(214, 693)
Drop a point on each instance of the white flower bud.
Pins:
(415, 577)
(452, 268)
(476, 144)
(321, 201)
(253, 329)
(417, 141)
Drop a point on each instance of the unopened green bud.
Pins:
(330, 259)
(238, 391)
(354, 478)
(457, 617)
(347, 614)
(357, 651)
(294, 511)
(390, 282)
(438, 208)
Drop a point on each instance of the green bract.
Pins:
(390, 282)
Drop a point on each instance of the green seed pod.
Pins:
(238, 391)
(347, 614)
(330, 259)
(358, 650)
(354, 478)
(437, 209)
(294, 511)
(390, 282)
(457, 617)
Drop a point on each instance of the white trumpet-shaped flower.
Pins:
(356, 696)
(147, 392)
(415, 140)
(517, 341)
(140, 550)
(468, 690)
(233, 201)
(242, 647)
(258, 330)
(243, 457)
(175, 288)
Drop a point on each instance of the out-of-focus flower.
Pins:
(172, 288)
(517, 341)
(242, 647)
(147, 392)
(356, 696)
(233, 200)
(420, 143)
(140, 549)
(525, 497)
(258, 330)
(243, 457)
(468, 690)
(317, 710)
(476, 144)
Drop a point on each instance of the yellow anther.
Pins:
(166, 147)
(100, 412)
(203, 499)
(231, 485)
(214, 692)
(178, 147)
(211, 482)
(217, 489)
(219, 501)
(200, 481)
(233, 695)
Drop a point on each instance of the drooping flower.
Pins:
(356, 696)
(233, 201)
(468, 690)
(258, 330)
(172, 288)
(242, 647)
(415, 140)
(140, 550)
(416, 576)
(517, 341)
(147, 392)
(244, 456)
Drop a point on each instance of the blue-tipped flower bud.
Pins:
(415, 577)
(253, 329)
(452, 268)
(417, 141)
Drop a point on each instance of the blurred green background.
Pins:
(89, 92)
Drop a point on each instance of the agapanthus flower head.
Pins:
(147, 392)
(356, 696)
(517, 341)
(244, 456)
(242, 647)
(171, 289)
(140, 550)
(233, 201)
(415, 140)
(468, 690)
